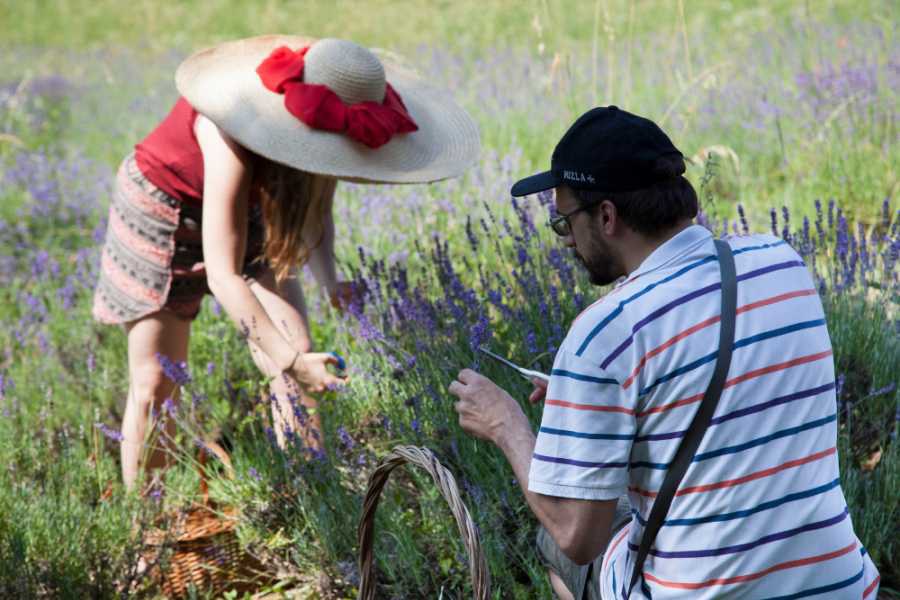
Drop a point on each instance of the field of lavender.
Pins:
(787, 109)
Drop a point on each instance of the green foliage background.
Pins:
(524, 69)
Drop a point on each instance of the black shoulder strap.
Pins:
(685, 453)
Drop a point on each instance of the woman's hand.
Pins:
(310, 370)
(345, 292)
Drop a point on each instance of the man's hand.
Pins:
(539, 392)
(485, 410)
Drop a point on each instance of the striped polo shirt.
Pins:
(760, 512)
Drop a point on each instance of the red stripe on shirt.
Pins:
(740, 378)
(593, 407)
(746, 478)
(671, 342)
(615, 543)
(791, 564)
(711, 321)
(779, 367)
(872, 586)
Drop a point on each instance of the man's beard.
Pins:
(600, 263)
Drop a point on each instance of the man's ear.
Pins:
(607, 217)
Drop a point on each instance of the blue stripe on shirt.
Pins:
(655, 315)
(581, 376)
(655, 437)
(738, 344)
(765, 439)
(580, 463)
(739, 514)
(821, 589)
(781, 535)
(687, 298)
(588, 436)
(618, 310)
(745, 446)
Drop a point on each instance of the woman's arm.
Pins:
(321, 259)
(227, 175)
(321, 263)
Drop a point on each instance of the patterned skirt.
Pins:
(153, 255)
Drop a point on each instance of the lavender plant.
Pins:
(443, 269)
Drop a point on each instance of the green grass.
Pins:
(406, 23)
(524, 70)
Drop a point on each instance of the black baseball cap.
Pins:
(607, 150)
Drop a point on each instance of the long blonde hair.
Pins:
(293, 206)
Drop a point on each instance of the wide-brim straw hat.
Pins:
(222, 83)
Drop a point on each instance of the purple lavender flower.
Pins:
(270, 435)
(883, 390)
(786, 229)
(43, 342)
(470, 234)
(531, 343)
(39, 263)
(745, 229)
(175, 371)
(346, 440)
(522, 255)
(479, 332)
(806, 242)
(820, 230)
(6, 385)
(109, 432)
(474, 491)
(168, 407)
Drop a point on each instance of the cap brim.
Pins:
(534, 184)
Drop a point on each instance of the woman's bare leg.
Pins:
(164, 333)
(285, 305)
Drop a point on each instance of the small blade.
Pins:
(526, 373)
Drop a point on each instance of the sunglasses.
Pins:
(560, 224)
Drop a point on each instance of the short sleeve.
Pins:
(587, 429)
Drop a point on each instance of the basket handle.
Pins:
(443, 478)
(206, 447)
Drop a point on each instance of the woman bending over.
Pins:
(233, 192)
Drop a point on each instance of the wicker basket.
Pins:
(205, 553)
(422, 457)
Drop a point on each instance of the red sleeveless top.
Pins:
(170, 156)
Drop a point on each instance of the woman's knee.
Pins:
(149, 386)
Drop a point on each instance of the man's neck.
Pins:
(640, 246)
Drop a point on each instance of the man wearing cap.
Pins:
(759, 511)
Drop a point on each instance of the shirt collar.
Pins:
(680, 244)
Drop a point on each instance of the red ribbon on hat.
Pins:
(371, 123)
